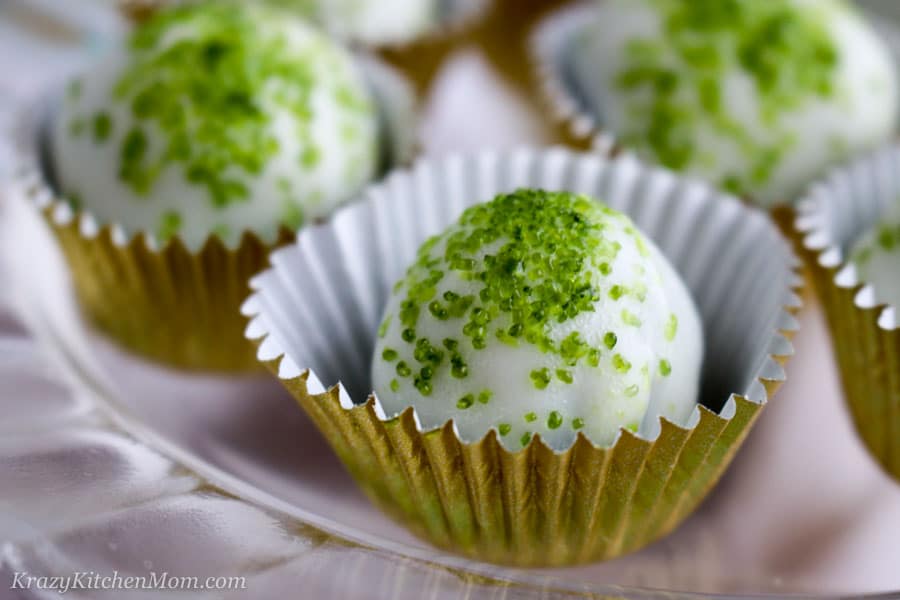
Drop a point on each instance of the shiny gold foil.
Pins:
(868, 358)
(174, 306)
(536, 507)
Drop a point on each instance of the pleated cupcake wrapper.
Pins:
(315, 313)
(835, 213)
(568, 91)
(177, 305)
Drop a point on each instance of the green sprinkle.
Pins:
(169, 226)
(395, 385)
(423, 385)
(525, 439)
(310, 157)
(632, 390)
(75, 200)
(886, 239)
(630, 319)
(222, 230)
(610, 340)
(102, 126)
(389, 354)
(503, 429)
(485, 396)
(616, 292)
(577, 423)
(633, 427)
(292, 214)
(540, 378)
(732, 184)
(459, 369)
(564, 375)
(403, 369)
(621, 365)
(555, 420)
(383, 328)
(465, 402)
(665, 368)
(530, 417)
(438, 311)
(671, 327)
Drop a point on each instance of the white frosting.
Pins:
(345, 140)
(859, 114)
(605, 397)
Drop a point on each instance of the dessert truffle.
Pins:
(876, 256)
(216, 119)
(540, 313)
(756, 97)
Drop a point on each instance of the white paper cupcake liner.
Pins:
(569, 89)
(832, 216)
(315, 313)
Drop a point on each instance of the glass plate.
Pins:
(110, 464)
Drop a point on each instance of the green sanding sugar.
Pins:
(542, 273)
(535, 313)
(673, 83)
(169, 225)
(209, 77)
(102, 125)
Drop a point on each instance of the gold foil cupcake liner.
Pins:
(315, 313)
(864, 332)
(177, 305)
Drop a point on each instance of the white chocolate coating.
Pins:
(760, 144)
(293, 88)
(642, 323)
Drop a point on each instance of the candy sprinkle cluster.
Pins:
(782, 46)
(204, 86)
(513, 283)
